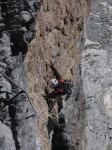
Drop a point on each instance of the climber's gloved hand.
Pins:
(50, 63)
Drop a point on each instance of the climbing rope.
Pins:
(21, 89)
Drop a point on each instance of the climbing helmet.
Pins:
(53, 83)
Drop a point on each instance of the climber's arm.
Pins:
(56, 73)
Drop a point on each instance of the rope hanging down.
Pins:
(21, 89)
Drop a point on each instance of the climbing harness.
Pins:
(22, 91)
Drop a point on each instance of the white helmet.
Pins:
(53, 82)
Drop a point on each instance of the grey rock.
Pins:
(39, 145)
(17, 126)
(96, 77)
(26, 16)
(6, 138)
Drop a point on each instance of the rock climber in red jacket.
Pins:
(60, 85)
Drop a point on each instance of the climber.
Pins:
(60, 85)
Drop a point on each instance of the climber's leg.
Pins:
(54, 94)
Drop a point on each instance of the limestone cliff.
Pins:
(17, 29)
(96, 73)
(76, 35)
(59, 38)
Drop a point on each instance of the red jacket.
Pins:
(62, 87)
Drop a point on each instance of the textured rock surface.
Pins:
(63, 32)
(59, 38)
(17, 28)
(6, 139)
(96, 73)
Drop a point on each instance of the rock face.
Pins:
(17, 29)
(76, 35)
(84, 121)
(60, 39)
(96, 73)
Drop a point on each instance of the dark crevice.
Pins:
(58, 44)
(37, 5)
(61, 120)
(18, 45)
(77, 19)
(60, 104)
(52, 121)
(71, 19)
(7, 14)
(48, 29)
(16, 49)
(59, 140)
(79, 27)
(12, 112)
(51, 125)
(65, 21)
(15, 121)
(62, 30)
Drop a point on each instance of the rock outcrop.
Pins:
(96, 73)
(76, 35)
(17, 29)
(59, 38)
(84, 121)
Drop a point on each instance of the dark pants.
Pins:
(54, 94)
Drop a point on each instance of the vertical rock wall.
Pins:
(96, 71)
(83, 122)
(59, 38)
(17, 29)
